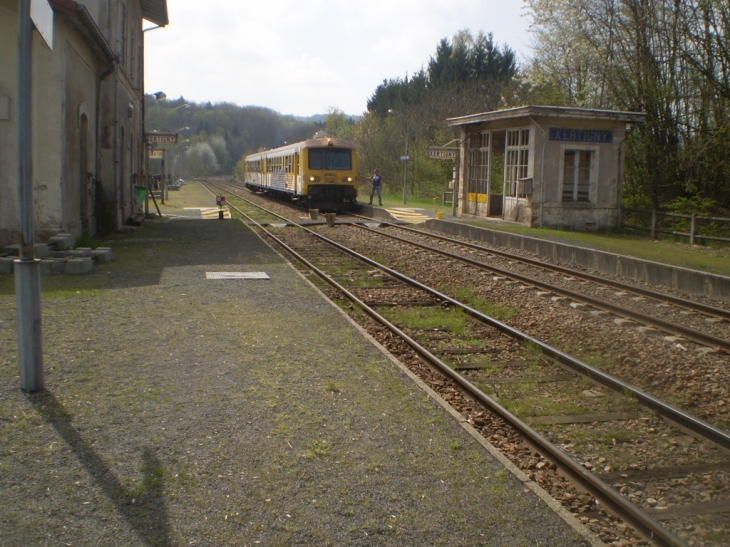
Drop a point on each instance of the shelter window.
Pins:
(479, 163)
(336, 159)
(577, 175)
(516, 161)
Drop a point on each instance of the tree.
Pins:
(200, 160)
(666, 58)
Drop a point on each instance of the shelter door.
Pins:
(477, 187)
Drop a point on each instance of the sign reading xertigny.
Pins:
(160, 138)
(581, 135)
(442, 152)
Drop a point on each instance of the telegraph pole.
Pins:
(27, 267)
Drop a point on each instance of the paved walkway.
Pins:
(184, 408)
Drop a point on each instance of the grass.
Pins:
(711, 257)
(454, 321)
(714, 259)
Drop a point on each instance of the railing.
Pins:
(692, 226)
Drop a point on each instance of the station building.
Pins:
(87, 111)
(543, 166)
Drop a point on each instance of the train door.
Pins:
(297, 173)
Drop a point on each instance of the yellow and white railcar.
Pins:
(319, 173)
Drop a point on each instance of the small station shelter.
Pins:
(543, 166)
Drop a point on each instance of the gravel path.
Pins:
(184, 411)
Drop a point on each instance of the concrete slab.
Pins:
(80, 252)
(6, 265)
(79, 266)
(52, 266)
(102, 254)
(61, 242)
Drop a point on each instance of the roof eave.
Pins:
(548, 112)
(155, 11)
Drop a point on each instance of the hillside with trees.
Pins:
(213, 137)
(670, 60)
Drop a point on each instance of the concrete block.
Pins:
(41, 250)
(52, 266)
(80, 252)
(6, 265)
(79, 266)
(13, 249)
(102, 254)
(58, 254)
(61, 242)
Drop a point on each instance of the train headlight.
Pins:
(313, 179)
(346, 179)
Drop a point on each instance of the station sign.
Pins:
(580, 135)
(160, 138)
(156, 154)
(442, 152)
(405, 158)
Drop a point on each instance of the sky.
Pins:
(306, 57)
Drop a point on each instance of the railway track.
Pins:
(623, 306)
(484, 366)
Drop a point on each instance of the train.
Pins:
(319, 173)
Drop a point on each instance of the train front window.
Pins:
(335, 159)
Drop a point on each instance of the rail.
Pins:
(689, 226)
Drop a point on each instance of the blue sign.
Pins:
(581, 135)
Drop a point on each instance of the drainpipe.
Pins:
(542, 170)
(620, 181)
(103, 76)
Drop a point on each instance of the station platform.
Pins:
(189, 409)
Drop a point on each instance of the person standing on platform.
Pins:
(377, 181)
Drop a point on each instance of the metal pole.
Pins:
(147, 148)
(27, 267)
(164, 178)
(405, 169)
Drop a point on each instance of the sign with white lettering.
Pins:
(442, 152)
(581, 135)
(160, 138)
(156, 154)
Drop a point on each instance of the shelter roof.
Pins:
(556, 112)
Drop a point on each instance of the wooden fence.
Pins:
(692, 226)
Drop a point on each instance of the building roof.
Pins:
(155, 11)
(563, 112)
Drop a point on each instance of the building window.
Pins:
(516, 161)
(479, 163)
(577, 175)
